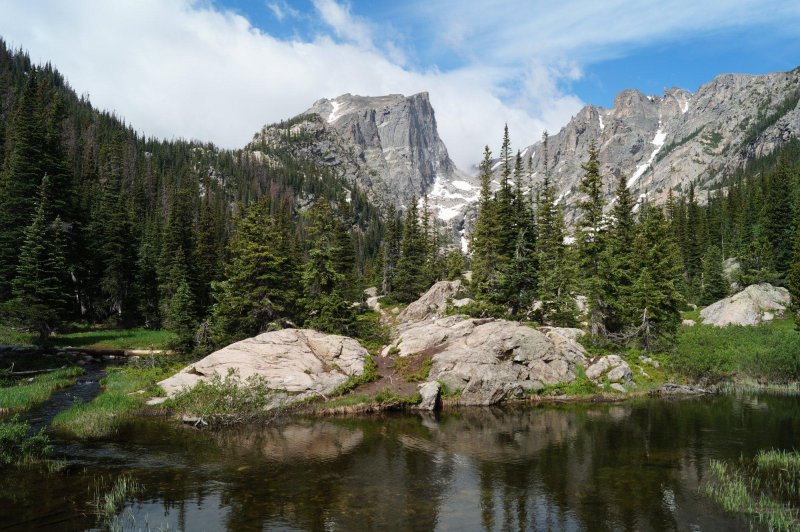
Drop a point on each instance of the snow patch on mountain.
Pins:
(658, 142)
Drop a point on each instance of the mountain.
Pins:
(388, 146)
(665, 142)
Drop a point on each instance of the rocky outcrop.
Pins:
(429, 392)
(490, 360)
(433, 303)
(300, 362)
(612, 367)
(666, 141)
(752, 306)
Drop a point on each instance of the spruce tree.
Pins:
(555, 277)
(261, 277)
(40, 292)
(715, 286)
(21, 176)
(793, 280)
(621, 259)
(778, 216)
(591, 241)
(391, 249)
(657, 299)
(484, 243)
(410, 279)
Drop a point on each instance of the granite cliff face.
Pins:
(387, 145)
(665, 142)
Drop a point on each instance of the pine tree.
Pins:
(793, 280)
(40, 291)
(484, 244)
(324, 276)
(591, 241)
(410, 279)
(778, 216)
(391, 249)
(454, 264)
(715, 287)
(20, 179)
(519, 284)
(555, 279)
(261, 278)
(621, 259)
(657, 298)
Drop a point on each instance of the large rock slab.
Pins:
(613, 367)
(490, 360)
(752, 306)
(301, 362)
(432, 303)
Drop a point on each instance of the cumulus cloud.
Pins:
(193, 69)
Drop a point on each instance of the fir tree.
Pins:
(778, 216)
(39, 290)
(591, 241)
(22, 173)
(391, 249)
(715, 287)
(554, 276)
(657, 297)
(262, 279)
(410, 278)
(621, 259)
(485, 244)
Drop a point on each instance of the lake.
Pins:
(625, 466)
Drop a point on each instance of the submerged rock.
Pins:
(752, 306)
(301, 362)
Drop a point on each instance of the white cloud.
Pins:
(282, 10)
(191, 69)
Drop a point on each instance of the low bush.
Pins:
(17, 446)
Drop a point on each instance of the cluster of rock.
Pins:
(754, 305)
(298, 362)
(487, 360)
(492, 360)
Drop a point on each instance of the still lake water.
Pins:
(632, 466)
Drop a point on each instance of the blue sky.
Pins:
(218, 70)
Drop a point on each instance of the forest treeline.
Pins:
(99, 224)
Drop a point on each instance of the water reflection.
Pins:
(578, 467)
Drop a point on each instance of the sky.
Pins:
(218, 70)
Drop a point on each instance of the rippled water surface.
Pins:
(633, 466)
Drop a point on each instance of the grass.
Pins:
(108, 500)
(385, 398)
(17, 446)
(580, 386)
(27, 393)
(354, 381)
(227, 401)
(412, 369)
(117, 403)
(95, 338)
(765, 491)
(769, 352)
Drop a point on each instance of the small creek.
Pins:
(633, 466)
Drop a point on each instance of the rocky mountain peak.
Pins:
(388, 145)
(665, 142)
